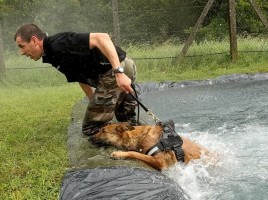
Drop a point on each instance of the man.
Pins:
(103, 70)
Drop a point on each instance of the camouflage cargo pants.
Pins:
(109, 101)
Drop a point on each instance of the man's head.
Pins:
(29, 39)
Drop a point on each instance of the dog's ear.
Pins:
(122, 127)
(130, 128)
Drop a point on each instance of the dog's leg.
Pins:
(149, 160)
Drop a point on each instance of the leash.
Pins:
(169, 140)
(148, 111)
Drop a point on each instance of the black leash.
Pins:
(169, 140)
(148, 111)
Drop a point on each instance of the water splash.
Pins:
(241, 171)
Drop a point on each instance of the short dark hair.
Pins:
(26, 32)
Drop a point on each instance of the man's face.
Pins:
(30, 49)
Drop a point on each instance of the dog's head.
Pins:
(113, 134)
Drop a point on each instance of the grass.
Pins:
(36, 105)
(204, 60)
(33, 130)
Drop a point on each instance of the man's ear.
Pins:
(35, 40)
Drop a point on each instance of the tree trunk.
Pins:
(232, 31)
(259, 13)
(117, 38)
(194, 32)
(2, 62)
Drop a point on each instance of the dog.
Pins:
(137, 140)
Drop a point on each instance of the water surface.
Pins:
(231, 119)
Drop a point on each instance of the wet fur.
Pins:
(136, 140)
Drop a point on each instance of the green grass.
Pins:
(202, 60)
(202, 68)
(36, 104)
(33, 127)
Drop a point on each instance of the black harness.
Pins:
(169, 140)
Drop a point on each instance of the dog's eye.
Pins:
(103, 130)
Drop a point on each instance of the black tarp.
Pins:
(119, 183)
(96, 176)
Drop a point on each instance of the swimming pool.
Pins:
(230, 118)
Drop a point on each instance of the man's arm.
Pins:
(87, 89)
(103, 42)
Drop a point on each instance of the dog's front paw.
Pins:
(118, 155)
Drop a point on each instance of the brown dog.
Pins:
(138, 139)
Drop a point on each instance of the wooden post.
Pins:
(259, 13)
(193, 34)
(232, 30)
(117, 38)
(2, 62)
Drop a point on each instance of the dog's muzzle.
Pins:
(97, 142)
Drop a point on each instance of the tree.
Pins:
(2, 62)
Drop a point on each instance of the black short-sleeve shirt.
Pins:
(69, 52)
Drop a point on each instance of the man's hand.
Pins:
(123, 82)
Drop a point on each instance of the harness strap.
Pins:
(179, 153)
(153, 150)
(170, 140)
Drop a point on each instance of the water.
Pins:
(230, 119)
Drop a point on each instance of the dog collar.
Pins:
(153, 150)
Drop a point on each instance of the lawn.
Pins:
(36, 104)
(33, 127)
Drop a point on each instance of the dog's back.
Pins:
(124, 136)
(139, 139)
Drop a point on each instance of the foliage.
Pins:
(150, 21)
(55, 16)
(156, 20)
(248, 22)
(217, 21)
(216, 30)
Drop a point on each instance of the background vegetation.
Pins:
(36, 102)
(140, 21)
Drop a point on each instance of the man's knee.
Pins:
(125, 112)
